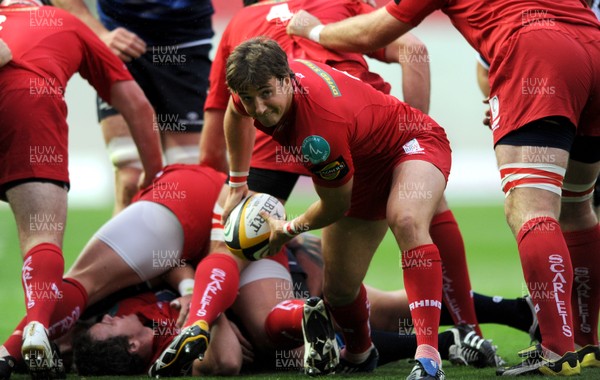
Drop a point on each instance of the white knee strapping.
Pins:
(123, 153)
(537, 175)
(577, 193)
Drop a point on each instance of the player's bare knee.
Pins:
(409, 229)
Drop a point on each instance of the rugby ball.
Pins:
(246, 231)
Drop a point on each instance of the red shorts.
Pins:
(33, 136)
(552, 71)
(190, 192)
(371, 187)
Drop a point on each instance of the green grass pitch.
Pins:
(492, 257)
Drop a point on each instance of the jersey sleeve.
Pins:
(99, 65)
(413, 11)
(218, 93)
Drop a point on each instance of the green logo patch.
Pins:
(316, 149)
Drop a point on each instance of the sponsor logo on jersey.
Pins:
(413, 147)
(316, 149)
(334, 170)
(335, 91)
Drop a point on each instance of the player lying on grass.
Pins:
(107, 347)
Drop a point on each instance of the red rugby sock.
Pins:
(15, 340)
(549, 277)
(42, 273)
(284, 324)
(353, 320)
(68, 309)
(456, 290)
(584, 247)
(423, 283)
(216, 285)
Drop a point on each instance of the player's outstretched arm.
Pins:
(363, 33)
(212, 141)
(129, 99)
(5, 53)
(123, 43)
(239, 136)
(331, 206)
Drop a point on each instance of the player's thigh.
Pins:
(348, 247)
(101, 271)
(142, 242)
(263, 284)
(114, 126)
(40, 211)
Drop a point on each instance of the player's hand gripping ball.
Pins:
(246, 231)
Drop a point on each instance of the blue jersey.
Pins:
(160, 22)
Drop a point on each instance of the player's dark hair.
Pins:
(105, 357)
(250, 2)
(254, 62)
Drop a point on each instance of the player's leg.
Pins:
(456, 289)
(582, 235)
(142, 242)
(177, 93)
(409, 215)
(40, 211)
(123, 154)
(532, 177)
(348, 247)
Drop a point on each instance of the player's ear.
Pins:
(134, 346)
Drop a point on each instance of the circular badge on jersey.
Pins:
(316, 149)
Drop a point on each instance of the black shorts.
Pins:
(175, 81)
(276, 183)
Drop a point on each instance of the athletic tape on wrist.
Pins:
(290, 229)
(315, 33)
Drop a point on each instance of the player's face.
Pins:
(109, 327)
(270, 102)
